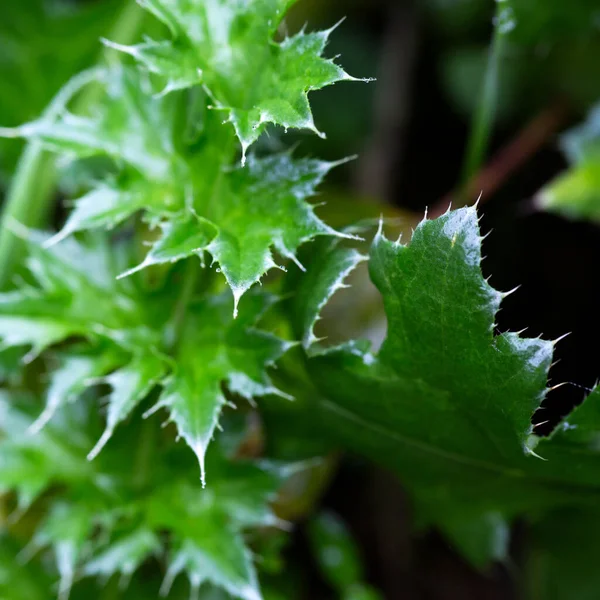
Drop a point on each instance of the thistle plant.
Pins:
(147, 302)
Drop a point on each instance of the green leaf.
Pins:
(124, 555)
(104, 206)
(337, 554)
(76, 295)
(38, 332)
(215, 554)
(129, 125)
(71, 378)
(576, 192)
(101, 522)
(180, 238)
(214, 349)
(209, 546)
(30, 463)
(67, 530)
(482, 539)
(130, 385)
(259, 207)
(228, 47)
(441, 345)
(318, 286)
(201, 204)
(450, 402)
(81, 297)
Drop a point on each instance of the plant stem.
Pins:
(190, 279)
(484, 116)
(29, 197)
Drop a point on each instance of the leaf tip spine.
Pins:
(560, 338)
(106, 435)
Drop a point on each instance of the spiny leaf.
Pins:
(214, 350)
(320, 284)
(441, 337)
(130, 385)
(209, 546)
(217, 555)
(180, 238)
(72, 377)
(124, 555)
(104, 206)
(228, 47)
(450, 402)
(102, 523)
(201, 204)
(67, 529)
(30, 463)
(125, 127)
(259, 207)
(76, 295)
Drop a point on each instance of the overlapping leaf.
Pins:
(214, 349)
(449, 401)
(228, 47)
(254, 209)
(208, 545)
(205, 527)
(31, 463)
(238, 215)
(78, 296)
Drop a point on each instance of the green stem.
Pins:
(30, 195)
(144, 454)
(190, 279)
(226, 146)
(484, 116)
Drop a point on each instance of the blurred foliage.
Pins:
(560, 563)
(576, 193)
(338, 557)
(43, 43)
(549, 52)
